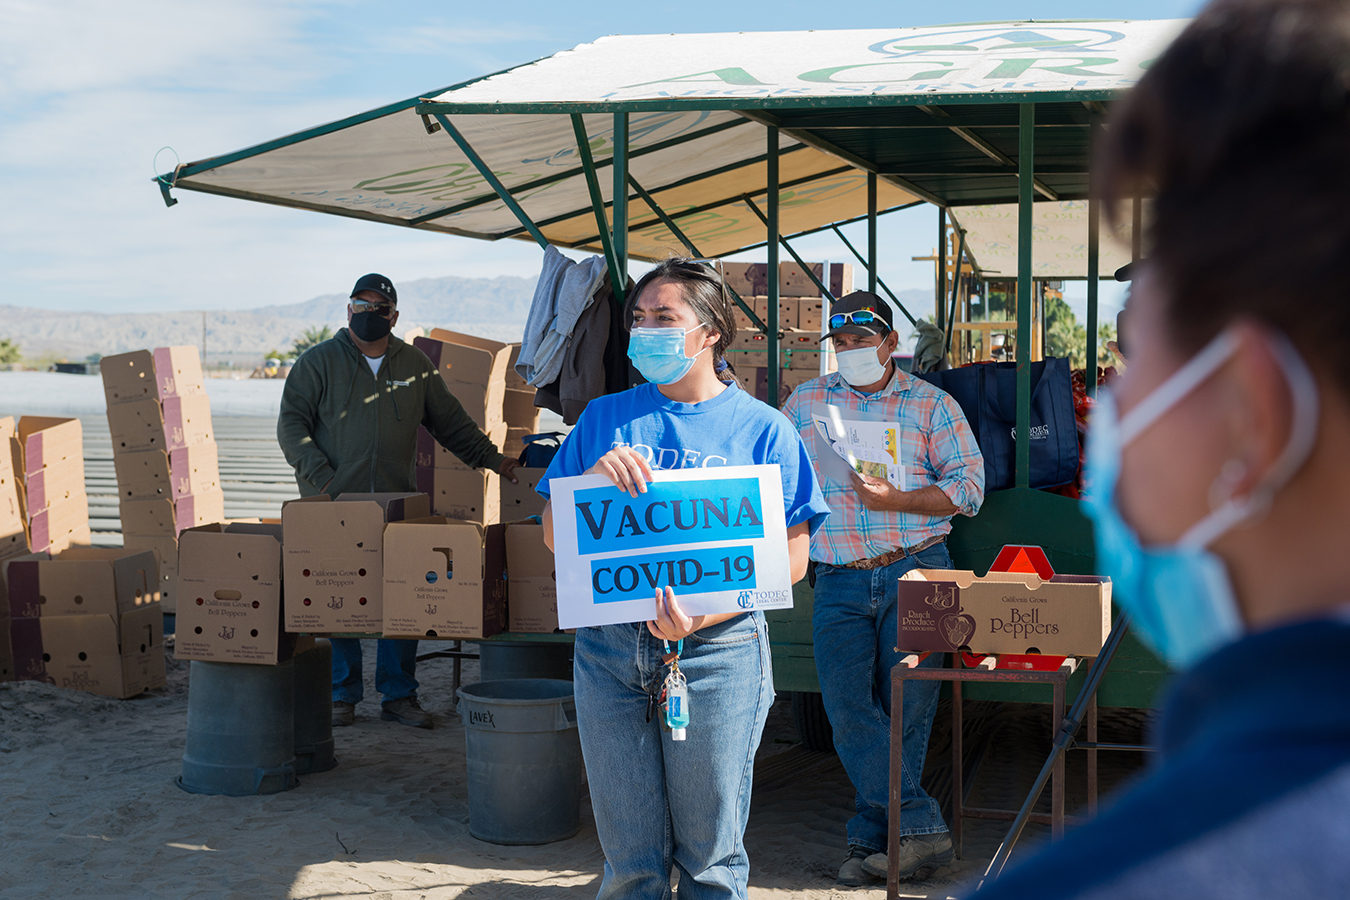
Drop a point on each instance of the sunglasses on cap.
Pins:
(365, 306)
(860, 317)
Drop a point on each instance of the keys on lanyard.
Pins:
(675, 695)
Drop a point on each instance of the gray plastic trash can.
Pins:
(524, 759)
(240, 729)
(314, 709)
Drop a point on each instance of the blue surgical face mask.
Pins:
(1179, 597)
(659, 353)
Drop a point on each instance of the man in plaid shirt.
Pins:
(875, 533)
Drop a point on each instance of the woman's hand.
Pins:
(671, 622)
(627, 468)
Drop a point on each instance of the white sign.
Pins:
(717, 536)
(868, 446)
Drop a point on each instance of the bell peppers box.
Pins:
(13, 537)
(89, 653)
(334, 563)
(431, 455)
(61, 525)
(165, 548)
(1003, 612)
(443, 579)
(187, 421)
(520, 500)
(128, 377)
(472, 495)
(473, 368)
(178, 371)
(194, 470)
(531, 582)
(45, 442)
(53, 484)
(229, 595)
(142, 475)
(136, 425)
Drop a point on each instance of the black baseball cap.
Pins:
(857, 302)
(377, 283)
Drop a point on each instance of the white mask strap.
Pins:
(1302, 437)
(1178, 386)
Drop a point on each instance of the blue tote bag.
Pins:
(987, 394)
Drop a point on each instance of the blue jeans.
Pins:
(659, 803)
(854, 629)
(395, 663)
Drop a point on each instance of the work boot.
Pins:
(852, 873)
(406, 711)
(920, 856)
(344, 713)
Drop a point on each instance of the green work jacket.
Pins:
(343, 427)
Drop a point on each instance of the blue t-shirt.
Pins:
(731, 429)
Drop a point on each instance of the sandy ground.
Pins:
(91, 810)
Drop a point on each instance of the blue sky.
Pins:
(90, 90)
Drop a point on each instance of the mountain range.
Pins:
(494, 308)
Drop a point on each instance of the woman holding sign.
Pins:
(659, 801)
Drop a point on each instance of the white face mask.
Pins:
(860, 367)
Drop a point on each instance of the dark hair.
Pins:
(1240, 132)
(702, 287)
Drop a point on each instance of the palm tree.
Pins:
(311, 336)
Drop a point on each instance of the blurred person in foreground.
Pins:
(348, 423)
(1217, 467)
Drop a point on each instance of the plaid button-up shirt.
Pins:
(937, 448)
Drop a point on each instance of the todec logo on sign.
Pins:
(706, 534)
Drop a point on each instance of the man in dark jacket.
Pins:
(349, 417)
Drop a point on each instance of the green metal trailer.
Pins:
(698, 131)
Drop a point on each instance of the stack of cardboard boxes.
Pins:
(801, 310)
(48, 461)
(164, 452)
(13, 538)
(474, 369)
(88, 619)
(518, 409)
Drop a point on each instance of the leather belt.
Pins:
(893, 556)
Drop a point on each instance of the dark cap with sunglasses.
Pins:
(862, 313)
(377, 283)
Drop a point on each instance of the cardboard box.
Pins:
(532, 584)
(474, 369)
(333, 559)
(136, 425)
(154, 518)
(473, 496)
(165, 548)
(42, 441)
(434, 584)
(520, 500)
(810, 313)
(194, 470)
(85, 653)
(1003, 612)
(128, 377)
(519, 411)
(61, 525)
(142, 475)
(178, 372)
(191, 510)
(841, 280)
(83, 581)
(515, 442)
(6, 651)
(13, 537)
(432, 455)
(53, 484)
(513, 381)
(229, 604)
(187, 421)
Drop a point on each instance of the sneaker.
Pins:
(920, 856)
(344, 713)
(406, 711)
(852, 873)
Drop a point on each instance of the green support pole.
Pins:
(693, 250)
(890, 293)
(620, 215)
(1093, 273)
(1026, 153)
(493, 181)
(939, 311)
(872, 232)
(820, 285)
(775, 373)
(597, 201)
